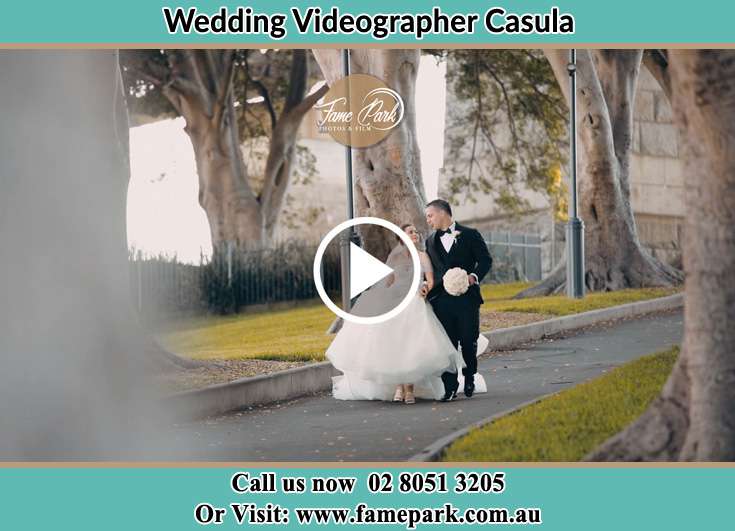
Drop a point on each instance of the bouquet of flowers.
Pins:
(456, 281)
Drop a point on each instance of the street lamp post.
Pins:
(575, 227)
(349, 235)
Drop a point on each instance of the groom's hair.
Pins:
(440, 204)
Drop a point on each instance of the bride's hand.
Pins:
(424, 291)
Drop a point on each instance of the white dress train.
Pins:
(411, 347)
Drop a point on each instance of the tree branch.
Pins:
(184, 65)
(473, 152)
(282, 145)
(139, 63)
(592, 105)
(309, 101)
(263, 91)
(213, 72)
(509, 113)
(145, 76)
(297, 79)
(223, 84)
(618, 72)
(330, 63)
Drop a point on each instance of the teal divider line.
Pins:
(164, 498)
(141, 21)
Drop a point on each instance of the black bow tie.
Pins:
(443, 232)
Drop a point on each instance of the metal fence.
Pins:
(234, 279)
(160, 285)
(229, 281)
(516, 256)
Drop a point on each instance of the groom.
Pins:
(454, 245)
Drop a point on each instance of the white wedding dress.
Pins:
(411, 347)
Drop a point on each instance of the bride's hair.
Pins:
(403, 228)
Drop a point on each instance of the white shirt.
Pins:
(447, 239)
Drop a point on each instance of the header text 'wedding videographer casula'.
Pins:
(312, 20)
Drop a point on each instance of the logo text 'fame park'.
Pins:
(359, 111)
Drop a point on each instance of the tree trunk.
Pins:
(278, 167)
(200, 89)
(74, 368)
(388, 182)
(234, 213)
(284, 134)
(614, 256)
(693, 418)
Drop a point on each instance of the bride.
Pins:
(401, 358)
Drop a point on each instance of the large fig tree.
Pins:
(388, 182)
(614, 256)
(216, 91)
(693, 419)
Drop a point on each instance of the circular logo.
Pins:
(359, 110)
(318, 265)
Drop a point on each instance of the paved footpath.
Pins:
(321, 428)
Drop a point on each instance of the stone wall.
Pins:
(657, 181)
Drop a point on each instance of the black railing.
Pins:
(234, 279)
(231, 280)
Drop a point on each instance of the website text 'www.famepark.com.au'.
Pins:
(410, 517)
(377, 483)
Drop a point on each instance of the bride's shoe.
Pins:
(398, 397)
(410, 398)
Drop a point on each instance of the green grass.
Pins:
(499, 292)
(568, 425)
(299, 333)
(296, 334)
(561, 305)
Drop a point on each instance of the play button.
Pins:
(366, 271)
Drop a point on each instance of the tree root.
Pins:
(659, 433)
(645, 272)
(555, 282)
(165, 360)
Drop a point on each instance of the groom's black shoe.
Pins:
(449, 396)
(469, 387)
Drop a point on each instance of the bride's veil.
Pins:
(400, 261)
(398, 256)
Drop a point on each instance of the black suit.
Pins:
(460, 315)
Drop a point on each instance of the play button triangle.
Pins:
(365, 270)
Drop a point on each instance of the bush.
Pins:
(234, 277)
